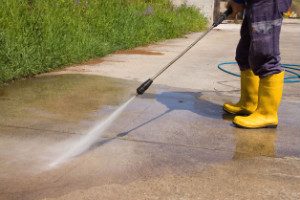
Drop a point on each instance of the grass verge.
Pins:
(37, 36)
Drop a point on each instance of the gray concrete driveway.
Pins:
(174, 142)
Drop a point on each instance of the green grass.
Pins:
(40, 35)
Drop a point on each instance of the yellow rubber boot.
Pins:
(249, 95)
(269, 97)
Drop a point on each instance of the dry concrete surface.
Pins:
(174, 142)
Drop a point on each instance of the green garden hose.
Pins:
(289, 68)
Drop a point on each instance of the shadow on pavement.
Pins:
(188, 101)
(249, 143)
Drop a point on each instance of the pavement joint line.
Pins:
(170, 144)
(190, 146)
(196, 147)
(283, 175)
(37, 129)
(234, 89)
(292, 158)
(191, 90)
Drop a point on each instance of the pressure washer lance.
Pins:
(140, 90)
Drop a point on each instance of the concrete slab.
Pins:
(174, 142)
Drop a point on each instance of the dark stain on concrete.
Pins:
(94, 61)
(139, 52)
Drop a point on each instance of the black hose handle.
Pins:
(222, 17)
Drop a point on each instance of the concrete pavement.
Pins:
(174, 142)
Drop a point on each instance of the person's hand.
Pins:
(236, 8)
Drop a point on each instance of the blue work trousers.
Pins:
(258, 48)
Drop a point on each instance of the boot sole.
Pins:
(237, 113)
(229, 112)
(259, 127)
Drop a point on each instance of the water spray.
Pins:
(141, 90)
(96, 132)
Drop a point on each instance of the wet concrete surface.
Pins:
(58, 102)
(174, 142)
(168, 144)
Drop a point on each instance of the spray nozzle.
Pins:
(144, 86)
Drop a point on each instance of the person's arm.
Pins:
(237, 6)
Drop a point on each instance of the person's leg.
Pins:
(249, 82)
(266, 21)
(264, 59)
(243, 47)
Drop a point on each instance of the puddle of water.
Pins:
(250, 144)
(67, 97)
(40, 118)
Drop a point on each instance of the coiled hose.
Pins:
(292, 69)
